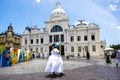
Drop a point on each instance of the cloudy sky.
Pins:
(22, 13)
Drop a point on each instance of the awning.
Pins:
(108, 49)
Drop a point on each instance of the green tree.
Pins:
(115, 46)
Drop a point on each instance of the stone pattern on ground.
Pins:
(81, 69)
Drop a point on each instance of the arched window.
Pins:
(57, 28)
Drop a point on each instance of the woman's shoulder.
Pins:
(55, 49)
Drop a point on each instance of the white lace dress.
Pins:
(55, 62)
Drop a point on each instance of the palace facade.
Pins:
(73, 39)
(10, 38)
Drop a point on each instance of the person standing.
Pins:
(108, 58)
(33, 55)
(78, 55)
(55, 62)
(117, 58)
(87, 55)
(43, 55)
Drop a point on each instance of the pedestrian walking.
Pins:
(38, 55)
(43, 55)
(78, 55)
(87, 55)
(108, 59)
(33, 56)
(117, 58)
(55, 62)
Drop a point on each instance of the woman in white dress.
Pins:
(55, 62)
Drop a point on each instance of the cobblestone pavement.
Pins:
(74, 69)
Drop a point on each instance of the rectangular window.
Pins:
(56, 38)
(62, 38)
(31, 41)
(19, 40)
(92, 37)
(85, 38)
(25, 41)
(72, 38)
(72, 49)
(93, 48)
(2, 38)
(50, 38)
(41, 49)
(41, 40)
(37, 41)
(15, 39)
(79, 38)
(37, 50)
(79, 49)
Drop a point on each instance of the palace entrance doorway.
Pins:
(60, 48)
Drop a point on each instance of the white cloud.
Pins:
(113, 7)
(118, 27)
(38, 1)
(76, 22)
(114, 24)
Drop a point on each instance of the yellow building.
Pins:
(9, 38)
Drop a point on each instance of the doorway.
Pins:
(60, 48)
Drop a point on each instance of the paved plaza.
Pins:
(74, 69)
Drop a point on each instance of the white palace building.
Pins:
(73, 39)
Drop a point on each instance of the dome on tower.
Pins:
(10, 28)
(58, 10)
(58, 13)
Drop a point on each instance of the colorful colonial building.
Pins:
(10, 38)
